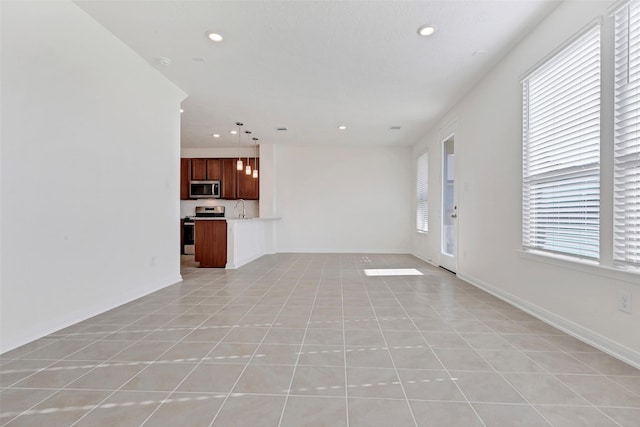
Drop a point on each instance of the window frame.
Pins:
(624, 165)
(547, 179)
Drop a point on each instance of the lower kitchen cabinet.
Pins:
(211, 243)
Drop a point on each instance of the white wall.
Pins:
(90, 171)
(488, 182)
(342, 199)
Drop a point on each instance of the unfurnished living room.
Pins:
(320, 213)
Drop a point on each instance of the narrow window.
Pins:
(422, 184)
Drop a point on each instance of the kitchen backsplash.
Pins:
(188, 207)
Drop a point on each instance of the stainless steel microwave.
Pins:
(204, 190)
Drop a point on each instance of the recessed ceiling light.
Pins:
(426, 30)
(214, 37)
(342, 127)
(163, 61)
(233, 132)
(181, 110)
(216, 135)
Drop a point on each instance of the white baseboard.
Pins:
(83, 313)
(342, 251)
(588, 336)
(244, 261)
(427, 260)
(240, 263)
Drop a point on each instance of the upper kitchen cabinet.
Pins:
(228, 178)
(248, 186)
(185, 175)
(234, 184)
(198, 169)
(206, 169)
(214, 169)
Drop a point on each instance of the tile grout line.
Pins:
(62, 338)
(465, 311)
(220, 342)
(147, 362)
(636, 393)
(547, 372)
(596, 407)
(437, 357)
(58, 390)
(344, 343)
(386, 344)
(158, 357)
(213, 393)
(560, 350)
(304, 337)
(221, 339)
(500, 374)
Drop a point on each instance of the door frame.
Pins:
(449, 262)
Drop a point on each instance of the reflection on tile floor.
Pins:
(310, 340)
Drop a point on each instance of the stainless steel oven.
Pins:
(188, 236)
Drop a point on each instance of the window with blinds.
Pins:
(561, 151)
(422, 181)
(627, 135)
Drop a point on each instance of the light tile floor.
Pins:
(310, 340)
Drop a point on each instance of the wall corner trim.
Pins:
(588, 336)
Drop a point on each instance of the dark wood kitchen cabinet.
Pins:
(211, 243)
(185, 175)
(248, 186)
(214, 169)
(198, 169)
(235, 184)
(228, 178)
(206, 169)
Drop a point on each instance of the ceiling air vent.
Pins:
(395, 128)
(281, 129)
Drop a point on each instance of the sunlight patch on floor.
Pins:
(392, 272)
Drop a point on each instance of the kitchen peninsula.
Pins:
(211, 242)
(232, 242)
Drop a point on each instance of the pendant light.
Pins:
(248, 168)
(255, 159)
(239, 161)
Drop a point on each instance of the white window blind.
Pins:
(422, 210)
(561, 151)
(627, 135)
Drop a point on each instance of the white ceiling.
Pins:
(310, 66)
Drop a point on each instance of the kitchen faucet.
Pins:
(244, 213)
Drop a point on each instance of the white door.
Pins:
(448, 230)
